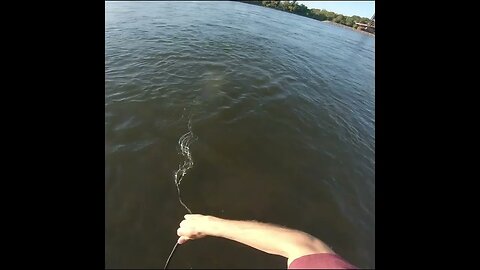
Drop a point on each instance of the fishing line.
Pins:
(184, 142)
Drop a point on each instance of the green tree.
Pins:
(356, 18)
(292, 6)
(349, 21)
(339, 19)
(272, 4)
(317, 14)
(330, 15)
(364, 20)
(302, 10)
(322, 15)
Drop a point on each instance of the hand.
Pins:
(194, 226)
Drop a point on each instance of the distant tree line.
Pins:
(317, 14)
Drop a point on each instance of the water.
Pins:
(283, 113)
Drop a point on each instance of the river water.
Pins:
(282, 109)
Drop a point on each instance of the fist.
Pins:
(194, 226)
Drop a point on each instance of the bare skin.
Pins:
(272, 239)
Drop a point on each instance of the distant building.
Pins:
(367, 27)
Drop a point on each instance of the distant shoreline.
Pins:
(315, 14)
(351, 28)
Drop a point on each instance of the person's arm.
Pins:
(272, 239)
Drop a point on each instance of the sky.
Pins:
(349, 8)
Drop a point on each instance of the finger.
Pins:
(182, 239)
(181, 231)
(192, 216)
(183, 223)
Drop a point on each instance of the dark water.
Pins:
(283, 110)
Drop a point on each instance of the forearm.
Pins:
(268, 238)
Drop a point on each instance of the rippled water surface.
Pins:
(282, 108)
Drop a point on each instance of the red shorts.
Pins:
(320, 261)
